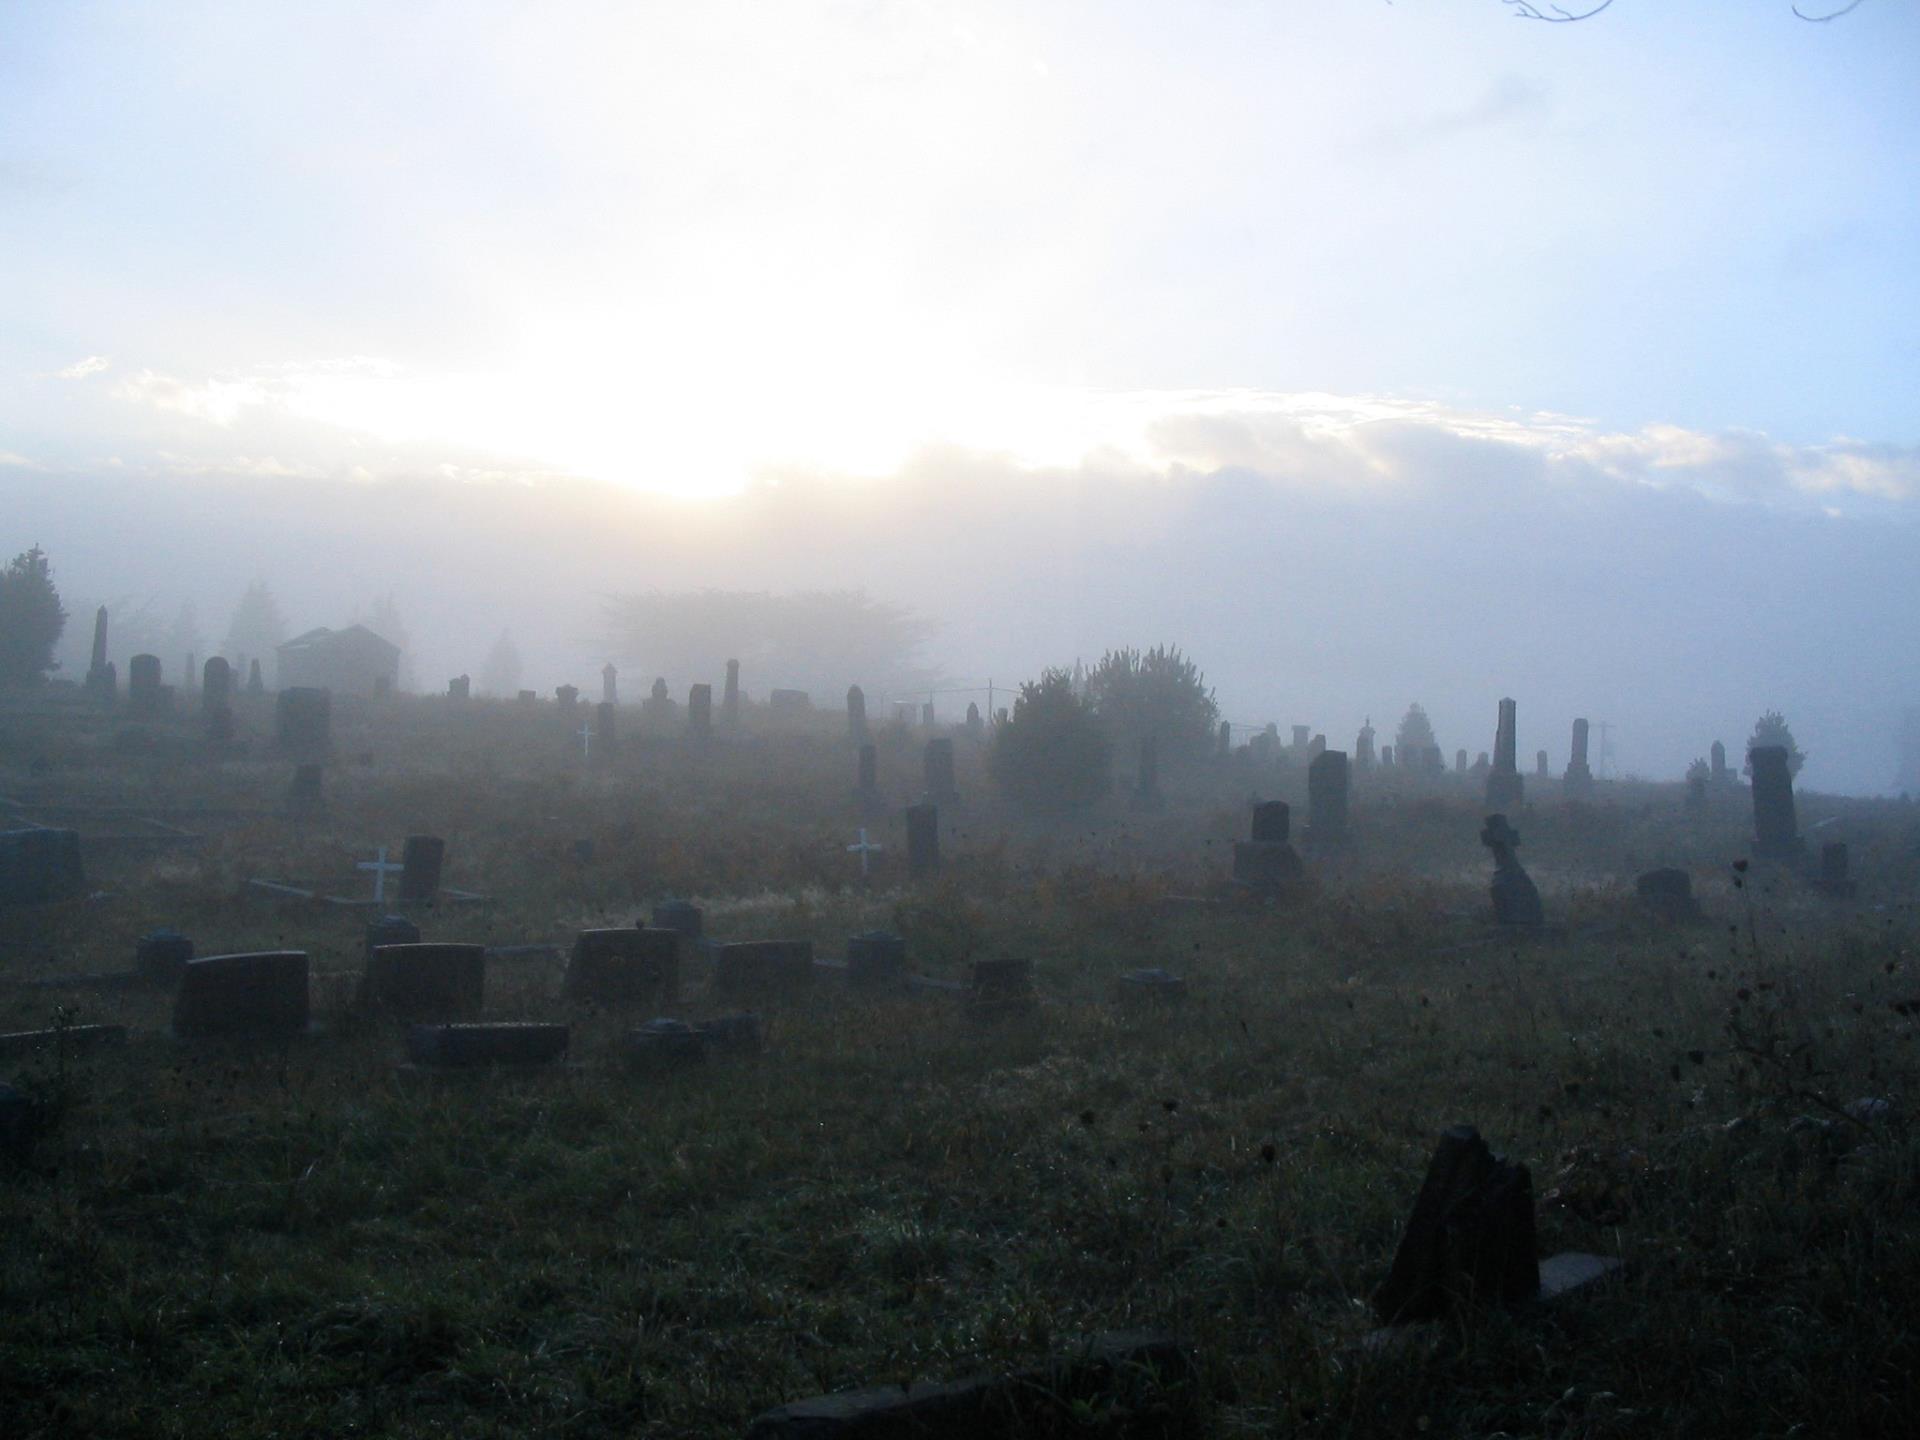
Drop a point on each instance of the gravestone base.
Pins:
(262, 995)
(875, 959)
(1470, 1238)
(483, 1046)
(1265, 866)
(1001, 988)
(624, 967)
(663, 1045)
(1667, 894)
(418, 982)
(40, 865)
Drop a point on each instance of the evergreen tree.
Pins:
(1158, 693)
(1415, 736)
(256, 629)
(1051, 754)
(1771, 729)
(31, 619)
(501, 674)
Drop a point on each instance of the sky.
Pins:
(1369, 351)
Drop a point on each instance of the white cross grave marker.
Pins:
(381, 869)
(586, 741)
(864, 849)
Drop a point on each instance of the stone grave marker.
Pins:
(876, 958)
(729, 697)
(1834, 879)
(624, 967)
(303, 722)
(681, 916)
(1328, 781)
(389, 930)
(568, 697)
(481, 1045)
(1470, 1239)
(1540, 764)
(102, 684)
(1268, 861)
(976, 727)
(867, 786)
(255, 685)
(40, 865)
(927, 721)
(216, 684)
(305, 795)
(1776, 830)
(1000, 987)
(1577, 783)
(789, 702)
(857, 714)
(1718, 757)
(606, 739)
(609, 684)
(700, 712)
(427, 982)
(746, 967)
(147, 698)
(1504, 783)
(1667, 893)
(527, 699)
(1152, 985)
(160, 956)
(1363, 756)
(938, 766)
(421, 859)
(923, 841)
(1516, 900)
(261, 995)
(866, 849)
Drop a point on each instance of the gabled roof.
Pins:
(325, 639)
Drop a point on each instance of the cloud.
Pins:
(81, 369)
(1508, 98)
(15, 461)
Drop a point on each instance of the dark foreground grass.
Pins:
(307, 1240)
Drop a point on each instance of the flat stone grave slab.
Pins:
(624, 967)
(876, 958)
(744, 967)
(427, 981)
(74, 1039)
(477, 1046)
(664, 1044)
(1144, 1383)
(258, 995)
(1152, 985)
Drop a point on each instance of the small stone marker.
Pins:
(1834, 881)
(942, 789)
(1470, 1238)
(1718, 758)
(255, 685)
(1505, 786)
(460, 689)
(1668, 894)
(498, 1043)
(664, 1044)
(609, 684)
(1152, 985)
(857, 714)
(1328, 779)
(1776, 830)
(147, 698)
(605, 734)
(700, 712)
(1000, 987)
(216, 684)
(1267, 862)
(624, 967)
(923, 841)
(381, 868)
(1516, 900)
(427, 982)
(262, 995)
(1540, 764)
(729, 697)
(40, 865)
(681, 916)
(745, 967)
(303, 722)
(568, 697)
(865, 849)
(421, 859)
(160, 957)
(876, 958)
(1146, 1378)
(390, 930)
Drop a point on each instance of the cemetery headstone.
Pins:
(1834, 879)
(255, 685)
(1516, 900)
(746, 967)
(1667, 894)
(40, 865)
(606, 739)
(1268, 861)
(1540, 764)
(160, 956)
(1697, 800)
(729, 697)
(102, 684)
(527, 699)
(624, 967)
(1328, 780)
(867, 789)
(1000, 986)
(1504, 782)
(304, 793)
(472, 1046)
(857, 714)
(1577, 784)
(1776, 828)
(942, 789)
(1302, 738)
(789, 702)
(568, 696)
(427, 982)
(1718, 758)
(146, 696)
(681, 916)
(216, 684)
(390, 930)
(260, 995)
(923, 840)
(609, 684)
(1460, 762)
(878, 957)
(700, 712)
(460, 688)
(664, 1044)
(926, 716)
(421, 860)
(1470, 1238)
(303, 722)
(1386, 757)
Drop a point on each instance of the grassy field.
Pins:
(306, 1240)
